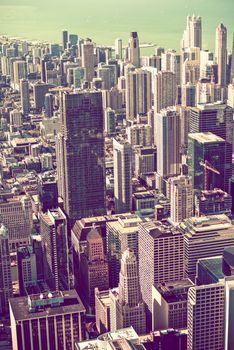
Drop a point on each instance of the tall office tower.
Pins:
(80, 154)
(221, 54)
(205, 237)
(53, 230)
(208, 150)
(24, 96)
(192, 36)
(26, 268)
(134, 49)
(118, 48)
(138, 93)
(94, 268)
(145, 160)
(110, 121)
(64, 39)
(19, 71)
(215, 118)
(139, 134)
(190, 71)
(164, 90)
(127, 307)
(87, 55)
(122, 175)
(208, 92)
(104, 74)
(232, 64)
(181, 197)
(15, 118)
(54, 50)
(78, 76)
(168, 142)
(39, 92)
(5, 271)
(47, 320)
(206, 317)
(121, 234)
(161, 258)
(171, 62)
(16, 214)
(49, 105)
(188, 92)
(73, 39)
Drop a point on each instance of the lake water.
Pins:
(161, 22)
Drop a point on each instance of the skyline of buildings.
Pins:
(116, 193)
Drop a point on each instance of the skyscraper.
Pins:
(202, 148)
(24, 96)
(221, 54)
(164, 90)
(52, 320)
(181, 196)
(215, 118)
(138, 93)
(192, 36)
(5, 271)
(205, 237)
(80, 154)
(206, 317)
(161, 258)
(168, 142)
(16, 214)
(64, 39)
(127, 307)
(19, 71)
(134, 49)
(53, 230)
(94, 268)
(87, 56)
(122, 175)
(118, 48)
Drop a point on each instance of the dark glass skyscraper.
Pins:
(80, 154)
(204, 147)
(217, 119)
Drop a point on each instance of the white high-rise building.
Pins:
(127, 307)
(221, 53)
(138, 92)
(19, 71)
(122, 175)
(5, 271)
(87, 55)
(206, 317)
(168, 142)
(134, 49)
(181, 197)
(164, 90)
(192, 36)
(118, 48)
(24, 96)
(139, 134)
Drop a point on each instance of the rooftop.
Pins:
(205, 137)
(69, 302)
(175, 291)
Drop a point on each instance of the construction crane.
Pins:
(208, 167)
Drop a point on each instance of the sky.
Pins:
(161, 22)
